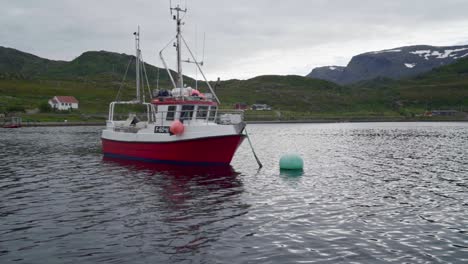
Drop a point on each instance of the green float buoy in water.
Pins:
(291, 162)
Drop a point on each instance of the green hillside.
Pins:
(27, 82)
(15, 64)
(442, 88)
(91, 65)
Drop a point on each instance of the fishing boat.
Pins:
(179, 126)
(14, 122)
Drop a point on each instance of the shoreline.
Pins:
(360, 120)
(61, 124)
(314, 121)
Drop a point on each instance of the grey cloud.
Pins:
(244, 38)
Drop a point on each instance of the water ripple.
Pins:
(370, 193)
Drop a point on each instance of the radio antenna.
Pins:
(178, 45)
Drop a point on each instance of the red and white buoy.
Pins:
(177, 128)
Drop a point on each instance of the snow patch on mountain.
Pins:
(397, 63)
(410, 65)
(439, 55)
(384, 51)
(422, 53)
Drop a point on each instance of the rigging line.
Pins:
(203, 55)
(169, 43)
(146, 78)
(196, 78)
(142, 82)
(164, 62)
(196, 54)
(157, 78)
(117, 97)
(199, 68)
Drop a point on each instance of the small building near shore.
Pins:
(444, 112)
(441, 113)
(63, 103)
(241, 106)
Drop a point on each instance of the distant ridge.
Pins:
(89, 65)
(91, 79)
(394, 63)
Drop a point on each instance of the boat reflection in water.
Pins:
(190, 206)
(181, 187)
(180, 172)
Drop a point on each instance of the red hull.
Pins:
(204, 151)
(11, 126)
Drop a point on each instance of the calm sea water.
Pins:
(369, 193)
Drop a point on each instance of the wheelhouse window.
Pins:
(170, 112)
(213, 112)
(187, 112)
(202, 112)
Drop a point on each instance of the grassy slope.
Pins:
(17, 64)
(310, 97)
(445, 87)
(91, 65)
(94, 79)
(442, 88)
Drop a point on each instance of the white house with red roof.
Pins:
(63, 102)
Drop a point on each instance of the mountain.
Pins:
(94, 78)
(395, 63)
(18, 64)
(329, 73)
(445, 87)
(94, 65)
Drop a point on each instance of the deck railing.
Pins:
(221, 117)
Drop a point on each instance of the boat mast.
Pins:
(137, 62)
(178, 19)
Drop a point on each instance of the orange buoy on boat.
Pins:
(177, 128)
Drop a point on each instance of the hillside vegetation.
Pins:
(27, 82)
(442, 88)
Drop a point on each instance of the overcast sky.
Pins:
(244, 38)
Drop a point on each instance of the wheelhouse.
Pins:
(187, 111)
